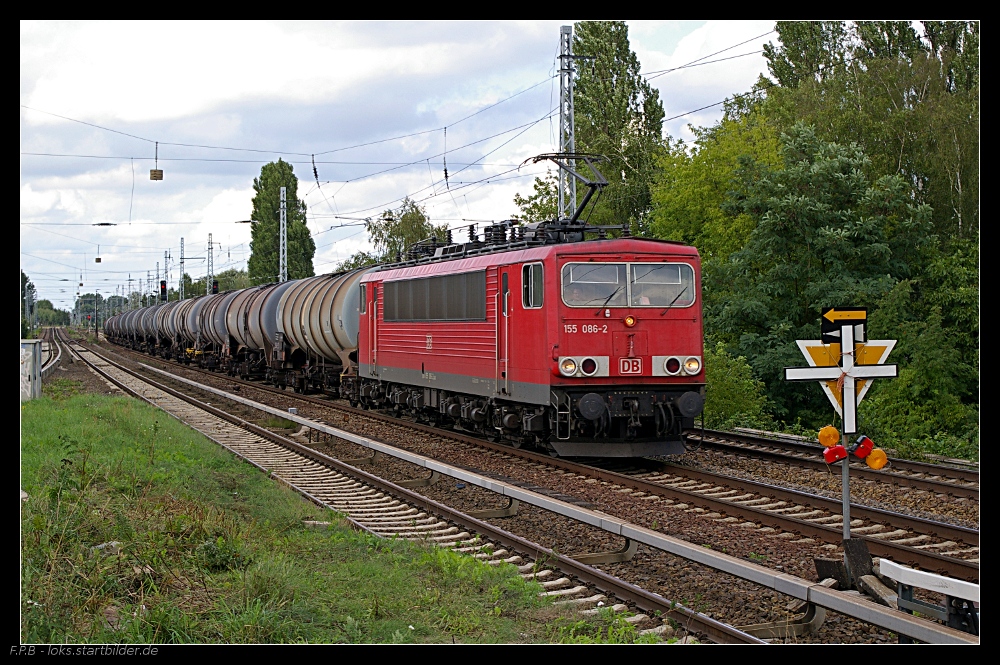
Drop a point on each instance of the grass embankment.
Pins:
(138, 529)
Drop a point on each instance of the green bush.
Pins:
(733, 397)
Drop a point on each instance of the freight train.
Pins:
(582, 348)
(552, 335)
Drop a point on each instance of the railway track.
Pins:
(795, 515)
(51, 352)
(938, 478)
(503, 453)
(390, 510)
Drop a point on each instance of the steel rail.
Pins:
(809, 458)
(877, 515)
(959, 469)
(54, 358)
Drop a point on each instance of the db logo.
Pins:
(630, 365)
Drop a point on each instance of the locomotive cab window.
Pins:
(364, 298)
(628, 284)
(595, 284)
(531, 286)
(661, 285)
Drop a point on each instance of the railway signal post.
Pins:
(844, 364)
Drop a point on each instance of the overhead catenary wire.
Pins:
(467, 185)
(661, 72)
(285, 152)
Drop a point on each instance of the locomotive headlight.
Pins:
(672, 366)
(629, 321)
(588, 366)
(567, 367)
(692, 365)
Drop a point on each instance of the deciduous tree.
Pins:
(394, 233)
(824, 236)
(618, 114)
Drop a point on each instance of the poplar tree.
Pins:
(263, 265)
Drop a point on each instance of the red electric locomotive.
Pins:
(587, 348)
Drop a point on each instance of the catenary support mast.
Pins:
(567, 126)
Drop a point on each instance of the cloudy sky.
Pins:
(379, 108)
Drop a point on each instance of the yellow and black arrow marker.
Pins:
(832, 319)
(844, 315)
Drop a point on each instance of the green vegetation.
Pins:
(618, 115)
(36, 314)
(394, 233)
(229, 280)
(59, 389)
(139, 530)
(733, 398)
(543, 204)
(693, 182)
(274, 422)
(608, 628)
(824, 235)
(850, 177)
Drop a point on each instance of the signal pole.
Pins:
(211, 268)
(567, 126)
(283, 243)
(180, 281)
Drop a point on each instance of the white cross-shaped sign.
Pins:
(847, 373)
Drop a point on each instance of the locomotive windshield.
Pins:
(628, 285)
(595, 284)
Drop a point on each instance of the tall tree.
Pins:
(824, 235)
(264, 264)
(618, 114)
(809, 50)
(693, 181)
(49, 315)
(911, 104)
(28, 296)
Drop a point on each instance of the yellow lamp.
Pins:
(829, 436)
(877, 459)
